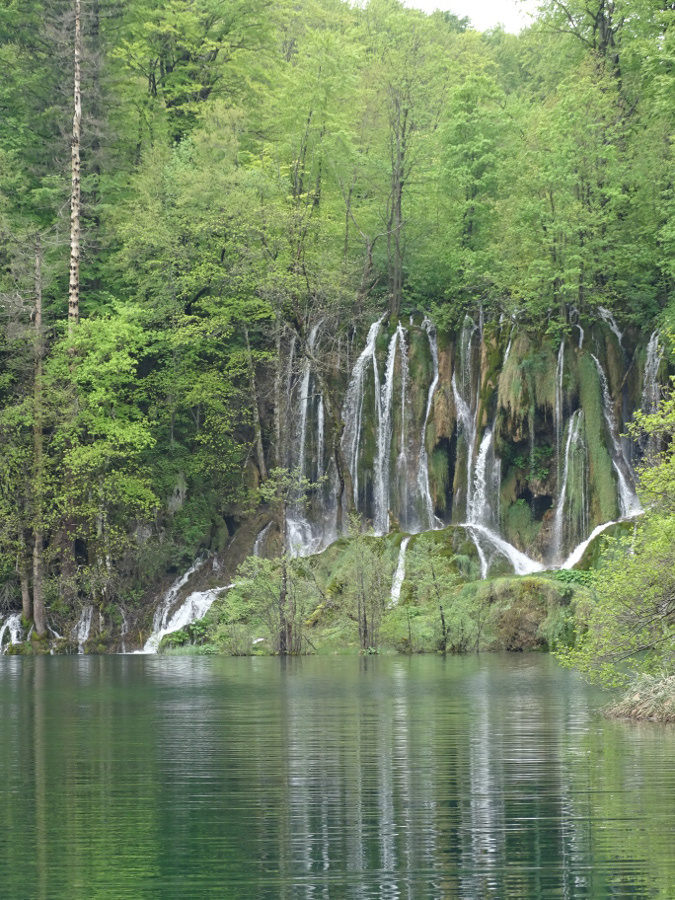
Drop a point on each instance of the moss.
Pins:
(519, 525)
(602, 482)
(439, 477)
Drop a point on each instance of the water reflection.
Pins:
(325, 778)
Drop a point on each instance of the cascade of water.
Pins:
(161, 616)
(466, 399)
(259, 543)
(607, 317)
(399, 575)
(423, 462)
(11, 626)
(305, 400)
(628, 501)
(559, 371)
(577, 554)
(402, 460)
(384, 435)
(573, 438)
(478, 510)
(352, 409)
(320, 439)
(522, 564)
(651, 389)
(574, 311)
(508, 351)
(82, 630)
(194, 608)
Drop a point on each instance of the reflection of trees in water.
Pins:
(379, 777)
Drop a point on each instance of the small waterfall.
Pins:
(305, 402)
(161, 616)
(466, 398)
(352, 409)
(423, 461)
(573, 439)
(479, 511)
(259, 544)
(320, 439)
(384, 435)
(522, 564)
(628, 501)
(124, 630)
(507, 353)
(12, 627)
(651, 388)
(577, 554)
(607, 317)
(399, 575)
(194, 608)
(481, 519)
(559, 371)
(82, 630)
(402, 468)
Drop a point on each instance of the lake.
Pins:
(342, 777)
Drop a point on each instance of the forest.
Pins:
(200, 202)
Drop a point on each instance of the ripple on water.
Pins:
(326, 778)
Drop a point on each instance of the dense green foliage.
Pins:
(248, 167)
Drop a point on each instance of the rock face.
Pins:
(521, 440)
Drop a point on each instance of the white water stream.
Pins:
(399, 575)
(12, 628)
(628, 501)
(423, 462)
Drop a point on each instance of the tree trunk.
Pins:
(75, 190)
(38, 455)
(284, 644)
(257, 427)
(24, 578)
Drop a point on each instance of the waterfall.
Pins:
(352, 409)
(522, 564)
(423, 461)
(308, 525)
(305, 405)
(11, 626)
(478, 503)
(651, 389)
(559, 371)
(481, 519)
(384, 435)
(607, 317)
(81, 631)
(193, 608)
(628, 501)
(573, 438)
(577, 554)
(259, 543)
(466, 400)
(402, 460)
(161, 616)
(399, 575)
(320, 438)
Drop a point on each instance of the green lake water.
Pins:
(140, 776)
